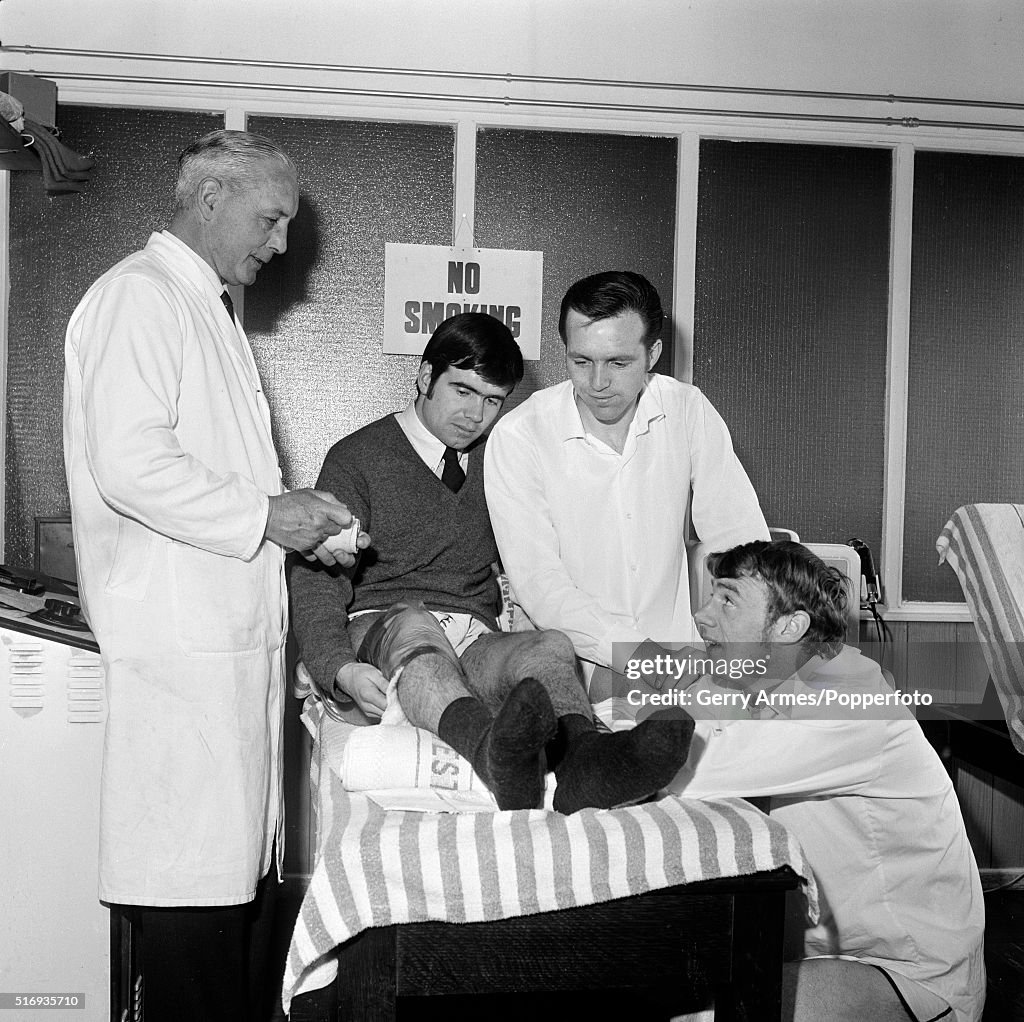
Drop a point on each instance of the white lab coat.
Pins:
(170, 461)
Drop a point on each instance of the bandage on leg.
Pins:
(404, 632)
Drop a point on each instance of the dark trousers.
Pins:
(209, 964)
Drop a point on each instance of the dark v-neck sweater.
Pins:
(429, 543)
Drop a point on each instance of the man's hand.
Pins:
(302, 519)
(365, 685)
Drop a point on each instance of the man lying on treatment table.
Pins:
(422, 602)
(850, 774)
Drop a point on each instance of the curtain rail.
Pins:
(859, 97)
(548, 104)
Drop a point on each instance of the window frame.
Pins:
(588, 112)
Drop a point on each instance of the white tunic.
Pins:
(170, 461)
(593, 541)
(876, 815)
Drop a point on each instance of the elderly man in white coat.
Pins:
(180, 528)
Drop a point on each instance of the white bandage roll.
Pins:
(401, 756)
(343, 542)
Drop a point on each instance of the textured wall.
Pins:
(315, 318)
(965, 429)
(790, 326)
(59, 246)
(790, 317)
(589, 202)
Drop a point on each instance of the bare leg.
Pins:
(506, 750)
(839, 991)
(495, 662)
(428, 686)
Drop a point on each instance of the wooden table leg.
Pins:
(316, 1006)
(755, 993)
(367, 990)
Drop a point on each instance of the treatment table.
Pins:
(680, 901)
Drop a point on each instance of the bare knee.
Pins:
(551, 659)
(555, 644)
(401, 633)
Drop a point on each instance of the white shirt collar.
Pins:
(208, 273)
(570, 423)
(424, 443)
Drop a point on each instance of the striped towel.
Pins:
(984, 545)
(377, 867)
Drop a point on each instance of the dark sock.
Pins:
(507, 751)
(570, 727)
(602, 771)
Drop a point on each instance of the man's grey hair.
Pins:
(229, 156)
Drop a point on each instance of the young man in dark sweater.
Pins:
(422, 601)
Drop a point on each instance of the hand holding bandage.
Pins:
(306, 520)
(365, 686)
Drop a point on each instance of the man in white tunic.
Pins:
(846, 769)
(180, 528)
(589, 482)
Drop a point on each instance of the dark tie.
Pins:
(229, 305)
(452, 475)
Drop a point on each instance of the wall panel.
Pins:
(589, 202)
(58, 247)
(790, 325)
(965, 402)
(316, 316)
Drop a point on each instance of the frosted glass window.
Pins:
(965, 420)
(58, 247)
(315, 317)
(791, 325)
(589, 202)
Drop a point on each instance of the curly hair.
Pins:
(796, 580)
